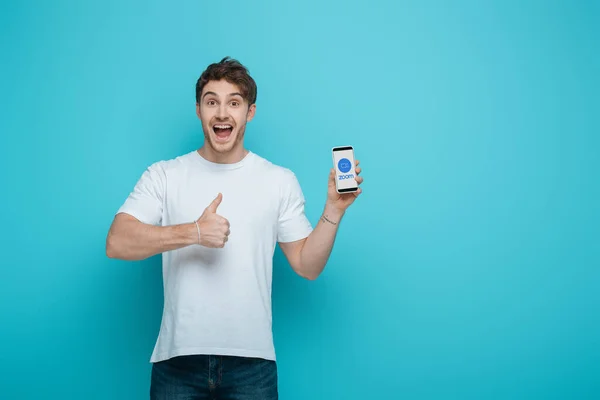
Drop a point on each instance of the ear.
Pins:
(198, 111)
(251, 112)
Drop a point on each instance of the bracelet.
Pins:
(198, 228)
(324, 218)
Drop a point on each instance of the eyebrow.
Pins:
(230, 94)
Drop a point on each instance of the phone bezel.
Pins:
(342, 148)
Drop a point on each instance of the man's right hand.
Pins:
(214, 229)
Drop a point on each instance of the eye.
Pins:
(211, 102)
(235, 103)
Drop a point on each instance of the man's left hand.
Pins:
(341, 201)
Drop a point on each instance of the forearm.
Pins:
(318, 245)
(130, 239)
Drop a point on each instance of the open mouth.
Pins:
(222, 131)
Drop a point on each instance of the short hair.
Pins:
(233, 72)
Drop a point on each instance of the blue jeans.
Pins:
(199, 377)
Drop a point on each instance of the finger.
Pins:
(212, 207)
(359, 179)
(356, 162)
(359, 191)
(228, 232)
(358, 170)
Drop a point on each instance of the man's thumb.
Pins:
(212, 207)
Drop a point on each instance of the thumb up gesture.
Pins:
(214, 229)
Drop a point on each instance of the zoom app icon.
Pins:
(344, 165)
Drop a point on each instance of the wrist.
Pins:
(333, 213)
(182, 234)
(191, 233)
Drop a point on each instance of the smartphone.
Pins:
(343, 163)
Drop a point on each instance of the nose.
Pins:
(222, 112)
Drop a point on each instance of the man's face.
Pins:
(224, 114)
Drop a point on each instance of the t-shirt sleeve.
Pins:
(293, 224)
(145, 202)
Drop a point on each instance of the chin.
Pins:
(221, 148)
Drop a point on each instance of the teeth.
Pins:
(223, 126)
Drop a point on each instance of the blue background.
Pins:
(468, 269)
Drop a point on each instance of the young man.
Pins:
(216, 214)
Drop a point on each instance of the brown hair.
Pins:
(233, 72)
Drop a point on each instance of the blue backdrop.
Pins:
(468, 269)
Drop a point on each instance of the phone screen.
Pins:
(345, 176)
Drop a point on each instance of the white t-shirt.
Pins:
(218, 300)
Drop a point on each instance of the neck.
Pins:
(231, 157)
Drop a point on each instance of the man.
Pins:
(216, 214)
